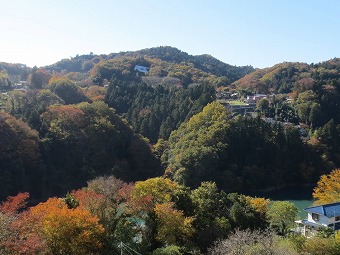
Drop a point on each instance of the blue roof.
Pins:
(329, 210)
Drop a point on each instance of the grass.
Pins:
(233, 102)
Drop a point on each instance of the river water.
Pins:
(301, 197)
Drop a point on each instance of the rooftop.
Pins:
(329, 210)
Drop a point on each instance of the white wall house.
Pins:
(142, 69)
(255, 98)
(327, 215)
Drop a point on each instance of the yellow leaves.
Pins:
(260, 204)
(172, 224)
(159, 188)
(328, 188)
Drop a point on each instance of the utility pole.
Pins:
(121, 247)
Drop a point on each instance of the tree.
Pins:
(95, 93)
(172, 226)
(250, 242)
(168, 250)
(31, 104)
(211, 213)
(67, 90)
(14, 204)
(328, 188)
(109, 199)
(16, 233)
(64, 121)
(282, 215)
(320, 246)
(39, 78)
(260, 204)
(159, 189)
(67, 231)
(196, 146)
(263, 105)
(19, 157)
(5, 83)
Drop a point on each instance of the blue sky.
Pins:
(260, 33)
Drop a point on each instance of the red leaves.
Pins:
(14, 204)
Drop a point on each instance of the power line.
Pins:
(128, 249)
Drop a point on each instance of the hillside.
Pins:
(155, 104)
(291, 77)
(163, 61)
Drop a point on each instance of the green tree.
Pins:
(67, 90)
(168, 250)
(20, 157)
(196, 145)
(320, 246)
(211, 214)
(263, 105)
(39, 78)
(5, 83)
(282, 215)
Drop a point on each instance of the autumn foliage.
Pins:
(328, 188)
(15, 203)
(172, 224)
(48, 228)
(67, 231)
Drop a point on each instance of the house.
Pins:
(255, 98)
(142, 69)
(322, 216)
(21, 85)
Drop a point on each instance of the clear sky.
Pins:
(260, 33)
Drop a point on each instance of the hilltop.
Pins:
(163, 62)
(290, 77)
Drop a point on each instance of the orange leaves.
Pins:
(67, 231)
(49, 227)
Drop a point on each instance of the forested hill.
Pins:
(163, 61)
(82, 117)
(205, 62)
(294, 77)
(312, 91)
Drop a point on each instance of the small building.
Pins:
(255, 98)
(142, 69)
(322, 216)
(21, 85)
